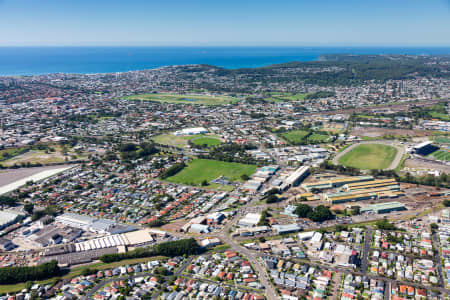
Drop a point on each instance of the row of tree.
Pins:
(170, 249)
(12, 275)
(172, 170)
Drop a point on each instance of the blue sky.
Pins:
(225, 22)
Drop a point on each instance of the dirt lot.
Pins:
(418, 166)
(12, 175)
(377, 132)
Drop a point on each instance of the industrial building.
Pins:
(370, 184)
(295, 178)
(384, 208)
(129, 239)
(9, 217)
(93, 224)
(335, 183)
(425, 148)
(199, 228)
(252, 186)
(191, 131)
(249, 220)
(368, 190)
(285, 229)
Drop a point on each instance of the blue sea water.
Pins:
(86, 60)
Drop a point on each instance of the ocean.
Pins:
(87, 60)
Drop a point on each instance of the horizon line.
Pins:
(228, 46)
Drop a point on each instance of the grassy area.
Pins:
(285, 97)
(185, 99)
(369, 138)
(55, 153)
(181, 141)
(206, 140)
(318, 138)
(402, 163)
(305, 137)
(199, 170)
(294, 136)
(369, 156)
(440, 116)
(441, 155)
(9, 153)
(442, 139)
(11, 288)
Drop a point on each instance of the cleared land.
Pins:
(32, 155)
(185, 99)
(369, 156)
(199, 170)
(6, 154)
(181, 141)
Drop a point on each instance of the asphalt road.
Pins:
(366, 249)
(437, 259)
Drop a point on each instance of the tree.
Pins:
(271, 199)
(321, 213)
(434, 227)
(303, 210)
(6, 200)
(356, 210)
(28, 207)
(447, 203)
(385, 225)
(245, 177)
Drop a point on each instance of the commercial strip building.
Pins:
(384, 208)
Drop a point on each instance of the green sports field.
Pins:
(318, 138)
(442, 139)
(441, 155)
(206, 140)
(294, 136)
(285, 97)
(185, 99)
(369, 156)
(199, 170)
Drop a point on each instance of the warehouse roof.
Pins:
(383, 206)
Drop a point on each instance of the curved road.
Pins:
(395, 162)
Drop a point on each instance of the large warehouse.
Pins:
(9, 217)
(425, 148)
(334, 183)
(374, 189)
(384, 208)
(191, 131)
